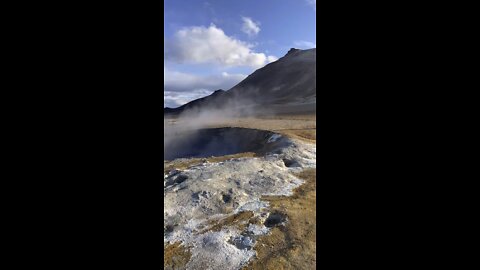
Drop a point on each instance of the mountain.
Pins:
(287, 85)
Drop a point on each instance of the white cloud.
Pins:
(302, 44)
(182, 82)
(176, 99)
(272, 58)
(210, 45)
(180, 88)
(250, 27)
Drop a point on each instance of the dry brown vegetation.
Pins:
(239, 220)
(301, 127)
(292, 246)
(175, 256)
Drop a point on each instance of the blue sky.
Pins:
(215, 44)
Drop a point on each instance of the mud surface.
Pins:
(215, 142)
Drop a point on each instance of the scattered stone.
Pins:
(275, 219)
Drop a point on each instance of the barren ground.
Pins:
(292, 246)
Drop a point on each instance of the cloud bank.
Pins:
(199, 45)
(181, 88)
(183, 82)
(176, 99)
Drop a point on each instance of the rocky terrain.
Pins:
(200, 199)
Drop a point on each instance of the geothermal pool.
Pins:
(216, 142)
(209, 193)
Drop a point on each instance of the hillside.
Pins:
(287, 85)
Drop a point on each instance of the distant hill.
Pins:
(286, 85)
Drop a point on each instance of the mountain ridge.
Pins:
(290, 81)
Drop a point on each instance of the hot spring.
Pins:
(217, 142)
